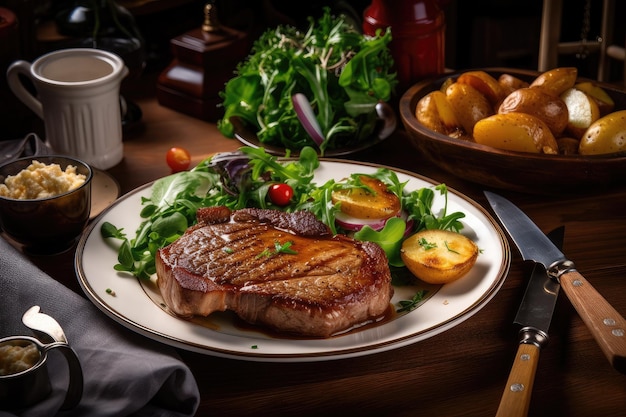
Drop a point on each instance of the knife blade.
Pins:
(606, 325)
(534, 315)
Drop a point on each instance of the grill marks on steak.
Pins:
(229, 261)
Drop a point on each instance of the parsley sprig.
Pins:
(278, 248)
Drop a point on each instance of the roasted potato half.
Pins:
(556, 81)
(439, 256)
(551, 109)
(435, 112)
(469, 104)
(606, 135)
(582, 111)
(603, 100)
(484, 83)
(510, 83)
(373, 202)
(516, 132)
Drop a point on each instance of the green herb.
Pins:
(110, 292)
(228, 250)
(426, 244)
(169, 211)
(410, 305)
(278, 248)
(342, 73)
(450, 250)
(419, 206)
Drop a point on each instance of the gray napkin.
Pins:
(125, 374)
(30, 145)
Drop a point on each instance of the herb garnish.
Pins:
(450, 250)
(278, 248)
(410, 305)
(426, 244)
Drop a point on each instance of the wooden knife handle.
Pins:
(607, 326)
(515, 400)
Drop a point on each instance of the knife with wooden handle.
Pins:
(534, 315)
(606, 324)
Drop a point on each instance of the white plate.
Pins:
(136, 304)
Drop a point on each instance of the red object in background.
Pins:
(178, 159)
(418, 36)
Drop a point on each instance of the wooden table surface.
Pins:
(460, 372)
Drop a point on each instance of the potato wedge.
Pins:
(516, 132)
(363, 204)
(606, 135)
(469, 105)
(556, 81)
(603, 100)
(484, 83)
(582, 111)
(439, 256)
(435, 112)
(534, 101)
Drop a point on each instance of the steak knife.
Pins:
(606, 325)
(534, 315)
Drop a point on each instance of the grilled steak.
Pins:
(283, 270)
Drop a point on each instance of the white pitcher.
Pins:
(78, 100)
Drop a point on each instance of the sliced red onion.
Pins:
(305, 114)
(353, 224)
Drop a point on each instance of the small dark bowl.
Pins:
(46, 225)
(517, 171)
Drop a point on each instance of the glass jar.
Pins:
(418, 36)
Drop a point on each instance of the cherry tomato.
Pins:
(178, 159)
(280, 193)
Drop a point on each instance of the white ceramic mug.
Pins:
(78, 100)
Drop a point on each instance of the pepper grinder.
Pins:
(204, 60)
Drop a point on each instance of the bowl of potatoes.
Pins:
(550, 132)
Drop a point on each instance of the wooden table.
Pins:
(461, 372)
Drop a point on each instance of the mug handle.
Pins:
(75, 388)
(17, 86)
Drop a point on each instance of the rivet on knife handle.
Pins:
(606, 325)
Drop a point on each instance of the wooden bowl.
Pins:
(518, 171)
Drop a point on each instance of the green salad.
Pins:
(244, 179)
(332, 67)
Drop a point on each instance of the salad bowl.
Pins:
(517, 171)
(386, 126)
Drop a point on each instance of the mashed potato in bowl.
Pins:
(17, 356)
(39, 180)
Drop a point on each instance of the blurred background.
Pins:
(479, 33)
